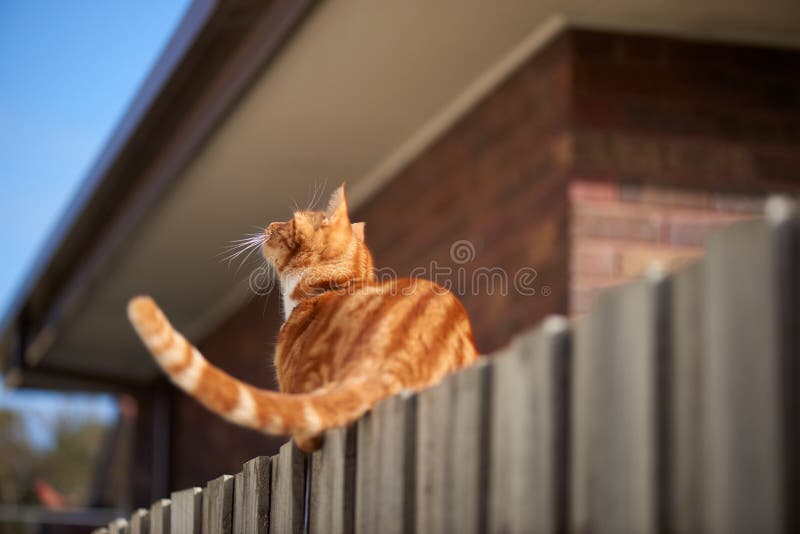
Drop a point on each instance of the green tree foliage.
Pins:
(17, 460)
(68, 465)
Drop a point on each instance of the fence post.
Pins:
(385, 469)
(530, 395)
(160, 517)
(367, 436)
(749, 386)
(433, 429)
(452, 453)
(238, 503)
(686, 416)
(186, 514)
(217, 506)
(617, 446)
(332, 492)
(396, 467)
(288, 490)
(251, 497)
(140, 522)
(118, 526)
(467, 475)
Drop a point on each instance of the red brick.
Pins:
(752, 205)
(599, 259)
(580, 299)
(625, 224)
(672, 198)
(583, 190)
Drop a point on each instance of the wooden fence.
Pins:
(671, 407)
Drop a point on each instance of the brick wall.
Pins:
(683, 114)
(618, 231)
(498, 180)
(590, 107)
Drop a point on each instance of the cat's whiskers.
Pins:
(249, 248)
(253, 249)
(318, 190)
(244, 246)
(237, 246)
(313, 201)
(249, 239)
(236, 243)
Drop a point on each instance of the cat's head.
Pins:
(320, 240)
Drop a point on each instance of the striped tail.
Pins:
(267, 411)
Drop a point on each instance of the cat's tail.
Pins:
(268, 411)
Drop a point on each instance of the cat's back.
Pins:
(407, 297)
(368, 305)
(398, 320)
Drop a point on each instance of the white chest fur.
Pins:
(288, 284)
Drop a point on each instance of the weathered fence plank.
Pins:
(238, 502)
(367, 475)
(140, 522)
(397, 418)
(218, 506)
(787, 233)
(466, 498)
(685, 415)
(186, 513)
(616, 448)
(252, 497)
(288, 490)
(332, 492)
(530, 395)
(160, 517)
(433, 428)
(385, 470)
(748, 348)
(118, 526)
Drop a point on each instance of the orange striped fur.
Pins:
(348, 341)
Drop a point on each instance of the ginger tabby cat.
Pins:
(347, 342)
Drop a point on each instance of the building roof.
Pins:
(215, 53)
(254, 103)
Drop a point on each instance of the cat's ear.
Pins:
(358, 230)
(337, 207)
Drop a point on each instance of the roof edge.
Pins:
(218, 49)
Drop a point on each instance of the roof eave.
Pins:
(218, 49)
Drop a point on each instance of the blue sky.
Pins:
(68, 71)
